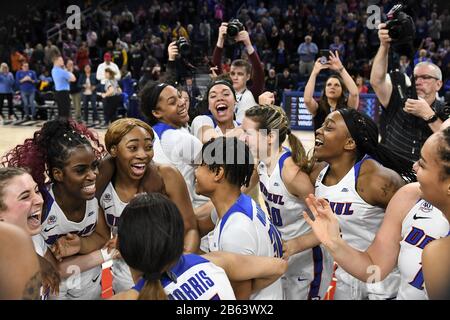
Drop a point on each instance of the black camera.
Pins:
(184, 48)
(400, 25)
(234, 27)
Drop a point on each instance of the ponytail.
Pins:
(152, 290)
(270, 117)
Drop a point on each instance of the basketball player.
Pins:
(359, 180)
(221, 102)
(20, 279)
(175, 276)
(130, 143)
(240, 224)
(62, 150)
(433, 174)
(166, 111)
(284, 183)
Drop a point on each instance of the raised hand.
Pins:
(172, 51)
(266, 97)
(325, 225)
(334, 62)
(318, 66)
(50, 277)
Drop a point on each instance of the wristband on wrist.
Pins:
(107, 256)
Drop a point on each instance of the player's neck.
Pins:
(72, 207)
(339, 168)
(123, 181)
(224, 198)
(272, 159)
(224, 126)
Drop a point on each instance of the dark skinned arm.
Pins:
(177, 191)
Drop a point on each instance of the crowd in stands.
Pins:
(286, 35)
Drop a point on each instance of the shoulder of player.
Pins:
(317, 168)
(293, 177)
(377, 183)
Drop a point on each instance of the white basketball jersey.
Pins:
(179, 148)
(112, 207)
(359, 223)
(246, 229)
(423, 224)
(313, 266)
(207, 120)
(56, 225)
(198, 279)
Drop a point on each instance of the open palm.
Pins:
(325, 225)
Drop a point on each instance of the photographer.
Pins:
(241, 70)
(408, 122)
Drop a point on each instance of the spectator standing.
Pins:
(193, 92)
(362, 88)
(434, 27)
(82, 56)
(408, 122)
(75, 90)
(307, 52)
(112, 97)
(26, 80)
(88, 84)
(6, 90)
(337, 45)
(101, 76)
(62, 79)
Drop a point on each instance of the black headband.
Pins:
(224, 82)
(155, 94)
(358, 124)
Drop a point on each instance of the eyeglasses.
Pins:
(424, 77)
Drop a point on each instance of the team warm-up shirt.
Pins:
(196, 279)
(246, 229)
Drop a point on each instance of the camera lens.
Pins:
(232, 31)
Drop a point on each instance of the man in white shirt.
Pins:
(107, 64)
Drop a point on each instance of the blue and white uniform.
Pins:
(79, 286)
(197, 279)
(359, 223)
(180, 149)
(423, 224)
(112, 207)
(309, 272)
(207, 120)
(246, 229)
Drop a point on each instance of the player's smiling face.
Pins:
(172, 108)
(331, 137)
(204, 180)
(23, 203)
(256, 140)
(79, 173)
(434, 183)
(134, 152)
(221, 103)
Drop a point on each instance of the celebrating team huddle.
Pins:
(229, 205)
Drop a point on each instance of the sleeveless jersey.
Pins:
(246, 229)
(314, 267)
(196, 279)
(112, 207)
(423, 224)
(359, 223)
(55, 225)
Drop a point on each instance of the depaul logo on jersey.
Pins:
(51, 220)
(274, 198)
(341, 208)
(426, 207)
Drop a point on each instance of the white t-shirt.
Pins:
(180, 149)
(101, 71)
(206, 120)
(245, 101)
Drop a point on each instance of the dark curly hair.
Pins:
(50, 148)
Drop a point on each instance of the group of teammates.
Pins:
(82, 209)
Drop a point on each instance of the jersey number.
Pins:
(274, 215)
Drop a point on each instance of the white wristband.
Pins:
(107, 256)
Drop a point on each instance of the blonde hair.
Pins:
(271, 117)
(120, 128)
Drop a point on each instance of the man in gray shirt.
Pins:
(307, 52)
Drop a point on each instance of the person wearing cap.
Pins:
(101, 76)
(220, 121)
(62, 79)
